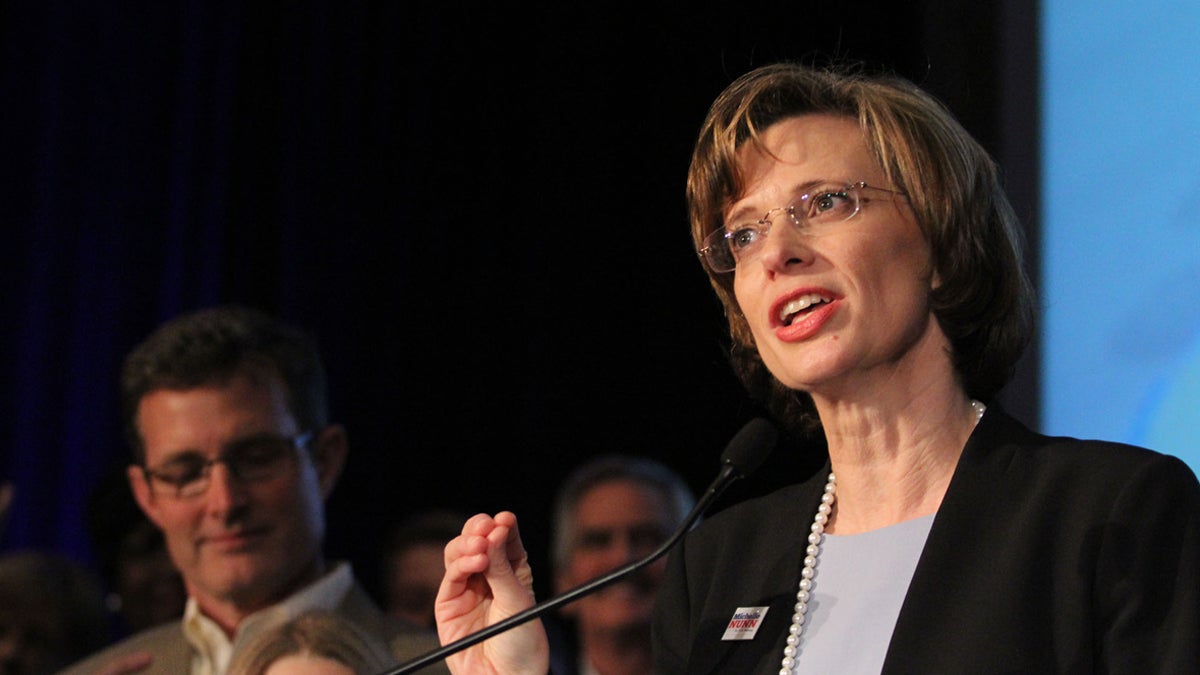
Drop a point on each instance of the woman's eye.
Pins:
(742, 237)
(829, 201)
(825, 202)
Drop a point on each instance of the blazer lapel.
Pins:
(776, 589)
(975, 496)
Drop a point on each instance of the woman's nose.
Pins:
(784, 248)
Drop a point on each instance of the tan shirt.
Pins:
(213, 649)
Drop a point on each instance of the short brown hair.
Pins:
(984, 302)
(211, 346)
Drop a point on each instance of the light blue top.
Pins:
(860, 583)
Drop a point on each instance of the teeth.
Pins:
(799, 304)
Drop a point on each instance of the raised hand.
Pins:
(488, 579)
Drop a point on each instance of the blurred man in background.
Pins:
(234, 458)
(610, 512)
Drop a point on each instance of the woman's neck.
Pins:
(894, 458)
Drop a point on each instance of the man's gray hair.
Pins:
(606, 469)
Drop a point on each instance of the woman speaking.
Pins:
(870, 269)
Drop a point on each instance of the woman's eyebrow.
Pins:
(754, 211)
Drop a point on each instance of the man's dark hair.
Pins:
(212, 346)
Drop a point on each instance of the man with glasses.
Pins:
(234, 457)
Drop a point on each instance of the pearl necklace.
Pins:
(815, 536)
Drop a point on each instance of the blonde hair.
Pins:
(319, 633)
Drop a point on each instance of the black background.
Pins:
(478, 210)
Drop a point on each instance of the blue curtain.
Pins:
(158, 157)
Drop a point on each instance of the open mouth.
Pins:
(801, 305)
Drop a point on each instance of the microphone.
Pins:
(747, 451)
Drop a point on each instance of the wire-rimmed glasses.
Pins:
(723, 249)
(249, 460)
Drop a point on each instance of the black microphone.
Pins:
(747, 451)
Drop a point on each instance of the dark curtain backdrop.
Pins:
(478, 210)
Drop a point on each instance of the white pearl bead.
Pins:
(803, 595)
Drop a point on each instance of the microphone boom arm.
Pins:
(728, 474)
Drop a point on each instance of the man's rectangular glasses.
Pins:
(248, 460)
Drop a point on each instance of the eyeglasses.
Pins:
(248, 460)
(725, 248)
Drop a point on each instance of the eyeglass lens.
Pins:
(829, 203)
(252, 459)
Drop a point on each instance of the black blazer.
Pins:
(1047, 555)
